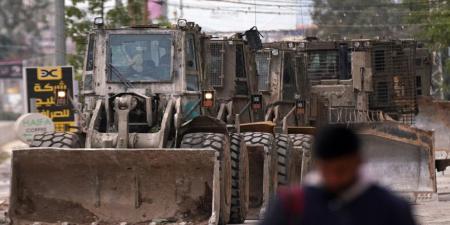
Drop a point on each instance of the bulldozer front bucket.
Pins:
(434, 115)
(400, 157)
(262, 169)
(136, 186)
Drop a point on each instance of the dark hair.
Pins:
(335, 141)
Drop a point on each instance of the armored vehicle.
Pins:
(231, 71)
(145, 151)
(341, 82)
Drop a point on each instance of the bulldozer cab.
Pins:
(151, 73)
(386, 69)
(280, 82)
(231, 72)
(328, 70)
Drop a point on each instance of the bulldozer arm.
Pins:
(400, 157)
(83, 186)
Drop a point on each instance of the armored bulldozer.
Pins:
(341, 82)
(145, 151)
(231, 71)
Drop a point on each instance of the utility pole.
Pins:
(60, 39)
(181, 9)
(145, 13)
(102, 13)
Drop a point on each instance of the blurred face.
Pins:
(340, 173)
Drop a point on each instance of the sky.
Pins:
(224, 16)
(216, 15)
(238, 15)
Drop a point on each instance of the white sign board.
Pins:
(30, 124)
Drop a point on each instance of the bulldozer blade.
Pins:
(133, 186)
(401, 158)
(302, 164)
(262, 180)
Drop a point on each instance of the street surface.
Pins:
(427, 213)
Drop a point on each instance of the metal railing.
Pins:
(346, 115)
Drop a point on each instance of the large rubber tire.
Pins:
(240, 179)
(56, 140)
(284, 150)
(220, 143)
(303, 164)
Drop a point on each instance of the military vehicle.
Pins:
(145, 151)
(367, 84)
(231, 71)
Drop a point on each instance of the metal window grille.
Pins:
(394, 80)
(214, 70)
(263, 69)
(323, 65)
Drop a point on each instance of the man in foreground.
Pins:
(338, 193)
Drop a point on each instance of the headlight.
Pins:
(182, 23)
(98, 21)
(367, 44)
(61, 94)
(207, 99)
(208, 96)
(302, 45)
(357, 44)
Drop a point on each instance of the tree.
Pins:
(356, 18)
(20, 26)
(79, 21)
(433, 18)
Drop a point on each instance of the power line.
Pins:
(286, 12)
(311, 4)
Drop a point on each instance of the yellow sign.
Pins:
(48, 90)
(49, 73)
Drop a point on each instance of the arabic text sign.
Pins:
(43, 85)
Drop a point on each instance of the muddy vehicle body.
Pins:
(344, 85)
(390, 68)
(280, 87)
(145, 152)
(231, 72)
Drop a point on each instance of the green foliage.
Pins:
(117, 17)
(433, 18)
(20, 26)
(78, 25)
(79, 22)
(356, 18)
